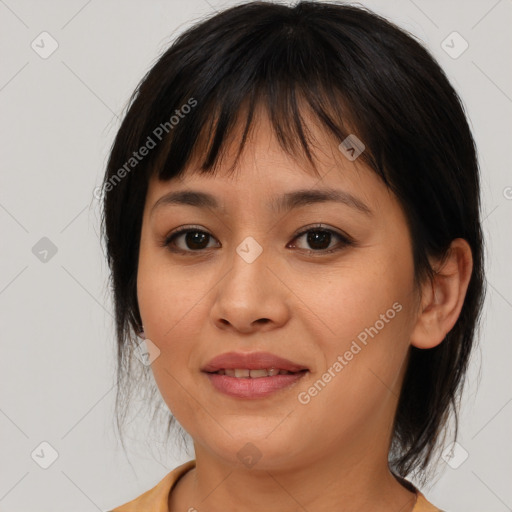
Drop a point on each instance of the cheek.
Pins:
(355, 298)
(358, 383)
(166, 295)
(366, 315)
(174, 305)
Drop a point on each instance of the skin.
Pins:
(212, 301)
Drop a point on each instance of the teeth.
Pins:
(258, 373)
(254, 374)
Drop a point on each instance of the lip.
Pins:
(252, 388)
(249, 388)
(251, 361)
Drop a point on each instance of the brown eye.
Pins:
(196, 239)
(188, 240)
(319, 240)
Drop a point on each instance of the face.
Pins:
(325, 284)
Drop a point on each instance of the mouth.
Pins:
(254, 374)
(251, 365)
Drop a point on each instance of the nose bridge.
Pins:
(249, 268)
(249, 291)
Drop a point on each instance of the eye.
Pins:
(320, 238)
(189, 240)
(192, 240)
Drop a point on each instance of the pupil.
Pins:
(196, 237)
(315, 237)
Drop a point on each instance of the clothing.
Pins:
(157, 498)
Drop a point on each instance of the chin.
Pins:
(257, 449)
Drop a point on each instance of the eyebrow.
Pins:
(287, 202)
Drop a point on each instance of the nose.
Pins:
(251, 297)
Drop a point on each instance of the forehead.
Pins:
(265, 166)
(268, 181)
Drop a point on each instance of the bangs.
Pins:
(281, 68)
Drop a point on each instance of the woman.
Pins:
(292, 222)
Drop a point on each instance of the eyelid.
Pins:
(345, 240)
(167, 239)
(323, 227)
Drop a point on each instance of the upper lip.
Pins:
(250, 361)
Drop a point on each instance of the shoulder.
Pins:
(156, 498)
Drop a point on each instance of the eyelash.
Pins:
(345, 240)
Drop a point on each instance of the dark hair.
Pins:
(358, 73)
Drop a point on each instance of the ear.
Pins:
(442, 298)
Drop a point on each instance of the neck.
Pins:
(341, 482)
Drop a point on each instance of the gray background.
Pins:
(58, 118)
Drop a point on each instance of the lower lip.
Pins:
(260, 387)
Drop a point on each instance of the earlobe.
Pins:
(443, 297)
